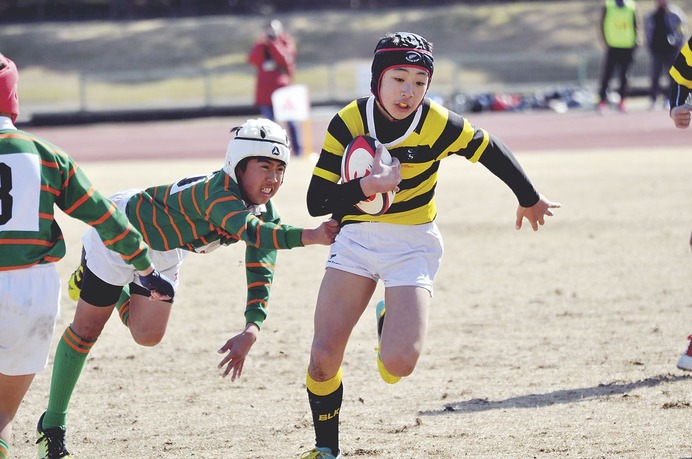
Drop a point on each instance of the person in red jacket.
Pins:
(274, 57)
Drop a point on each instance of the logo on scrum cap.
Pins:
(275, 151)
(413, 57)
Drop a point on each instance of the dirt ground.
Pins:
(555, 344)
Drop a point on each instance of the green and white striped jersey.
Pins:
(204, 212)
(36, 176)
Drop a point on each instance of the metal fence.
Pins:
(328, 84)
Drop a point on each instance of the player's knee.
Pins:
(319, 356)
(87, 330)
(399, 364)
(323, 361)
(149, 338)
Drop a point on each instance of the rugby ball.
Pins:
(357, 163)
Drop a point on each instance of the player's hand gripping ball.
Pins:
(356, 163)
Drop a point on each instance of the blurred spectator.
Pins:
(274, 57)
(619, 33)
(666, 29)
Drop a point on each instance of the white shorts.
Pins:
(29, 308)
(109, 266)
(399, 255)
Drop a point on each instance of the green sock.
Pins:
(70, 355)
(4, 449)
(123, 305)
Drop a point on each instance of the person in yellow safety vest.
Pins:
(619, 33)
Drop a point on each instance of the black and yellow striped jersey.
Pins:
(681, 72)
(420, 142)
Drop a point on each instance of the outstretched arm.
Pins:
(532, 205)
(323, 234)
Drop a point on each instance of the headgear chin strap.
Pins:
(400, 49)
(9, 100)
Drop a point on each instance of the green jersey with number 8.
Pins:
(35, 176)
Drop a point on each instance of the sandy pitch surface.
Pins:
(560, 343)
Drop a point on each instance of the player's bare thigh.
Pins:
(148, 319)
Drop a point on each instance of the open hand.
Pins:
(237, 348)
(536, 213)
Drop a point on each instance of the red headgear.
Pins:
(9, 100)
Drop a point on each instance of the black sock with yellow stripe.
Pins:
(70, 355)
(325, 402)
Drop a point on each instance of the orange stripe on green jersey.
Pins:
(84, 198)
(258, 284)
(111, 210)
(40, 242)
(259, 265)
(187, 219)
(274, 236)
(173, 225)
(50, 190)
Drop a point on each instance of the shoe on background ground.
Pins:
(621, 107)
(685, 360)
(379, 315)
(319, 453)
(601, 107)
(51, 442)
(74, 284)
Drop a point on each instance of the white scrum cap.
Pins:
(256, 138)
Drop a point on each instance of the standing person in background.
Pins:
(681, 73)
(274, 57)
(666, 29)
(619, 34)
(36, 176)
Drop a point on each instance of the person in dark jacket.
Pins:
(666, 29)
